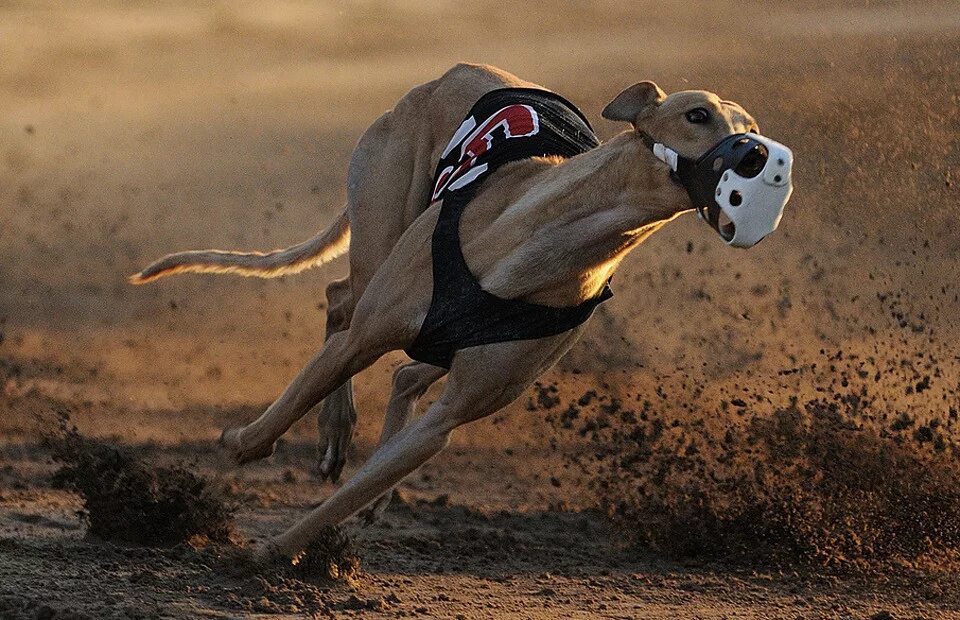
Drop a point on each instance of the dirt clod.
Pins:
(846, 480)
(126, 499)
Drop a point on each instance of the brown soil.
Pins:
(130, 500)
(774, 432)
(837, 482)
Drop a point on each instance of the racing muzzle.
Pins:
(739, 186)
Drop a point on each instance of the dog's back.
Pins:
(388, 186)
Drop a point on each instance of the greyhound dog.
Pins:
(547, 230)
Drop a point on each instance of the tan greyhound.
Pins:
(546, 230)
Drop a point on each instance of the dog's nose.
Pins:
(753, 162)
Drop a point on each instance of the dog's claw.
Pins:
(232, 445)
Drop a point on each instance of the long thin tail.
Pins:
(322, 248)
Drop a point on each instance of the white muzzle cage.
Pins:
(739, 186)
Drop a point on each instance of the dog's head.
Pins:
(737, 180)
(690, 121)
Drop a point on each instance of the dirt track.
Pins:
(132, 131)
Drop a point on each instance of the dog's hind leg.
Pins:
(337, 415)
(389, 183)
(410, 382)
(388, 186)
(482, 380)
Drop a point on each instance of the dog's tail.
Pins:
(322, 248)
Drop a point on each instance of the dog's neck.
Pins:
(560, 229)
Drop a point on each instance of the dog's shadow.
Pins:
(439, 538)
(436, 537)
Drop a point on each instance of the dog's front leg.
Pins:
(482, 380)
(342, 356)
(402, 454)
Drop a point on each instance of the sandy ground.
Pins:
(130, 130)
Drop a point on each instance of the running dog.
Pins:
(541, 237)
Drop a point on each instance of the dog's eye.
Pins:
(698, 116)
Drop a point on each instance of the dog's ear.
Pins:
(629, 104)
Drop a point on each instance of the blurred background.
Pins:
(129, 130)
(801, 395)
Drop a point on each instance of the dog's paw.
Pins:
(233, 447)
(331, 465)
(267, 554)
(372, 513)
(336, 435)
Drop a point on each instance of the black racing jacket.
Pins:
(505, 125)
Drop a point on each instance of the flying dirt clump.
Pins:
(126, 499)
(862, 474)
(805, 483)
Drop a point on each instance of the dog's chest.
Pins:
(503, 126)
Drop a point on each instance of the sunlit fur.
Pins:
(322, 248)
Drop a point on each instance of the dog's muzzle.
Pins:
(740, 186)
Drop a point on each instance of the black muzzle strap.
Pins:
(738, 152)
